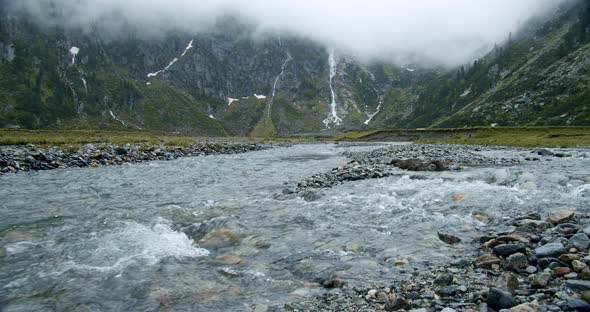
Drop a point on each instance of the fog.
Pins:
(432, 32)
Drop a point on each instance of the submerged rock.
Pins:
(220, 238)
(448, 238)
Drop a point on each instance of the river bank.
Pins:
(30, 157)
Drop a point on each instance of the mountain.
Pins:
(232, 80)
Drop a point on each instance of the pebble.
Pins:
(550, 250)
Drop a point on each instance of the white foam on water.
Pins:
(135, 243)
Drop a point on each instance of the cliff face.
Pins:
(229, 81)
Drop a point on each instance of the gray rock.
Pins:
(448, 291)
(449, 239)
(507, 282)
(505, 250)
(580, 241)
(578, 304)
(515, 262)
(499, 299)
(531, 269)
(579, 286)
(550, 250)
(444, 279)
(540, 280)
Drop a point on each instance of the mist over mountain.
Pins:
(428, 32)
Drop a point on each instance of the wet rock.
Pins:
(560, 216)
(507, 282)
(499, 299)
(444, 279)
(515, 262)
(578, 265)
(310, 196)
(396, 304)
(550, 250)
(220, 238)
(541, 280)
(421, 165)
(578, 285)
(567, 258)
(505, 250)
(449, 239)
(487, 261)
(229, 259)
(561, 271)
(332, 283)
(121, 150)
(505, 239)
(578, 304)
(526, 307)
(580, 241)
(448, 291)
(533, 224)
(543, 152)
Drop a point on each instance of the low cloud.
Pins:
(433, 32)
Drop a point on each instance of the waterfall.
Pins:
(274, 86)
(333, 118)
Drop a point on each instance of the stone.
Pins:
(448, 310)
(579, 265)
(486, 261)
(505, 250)
(585, 229)
(585, 273)
(499, 299)
(526, 307)
(121, 150)
(448, 291)
(540, 280)
(578, 304)
(507, 282)
(229, 259)
(444, 279)
(579, 286)
(505, 239)
(567, 258)
(459, 197)
(515, 262)
(550, 250)
(580, 241)
(531, 269)
(533, 224)
(220, 238)
(560, 216)
(449, 239)
(561, 271)
(372, 293)
(396, 304)
(571, 275)
(585, 295)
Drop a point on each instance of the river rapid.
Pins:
(135, 237)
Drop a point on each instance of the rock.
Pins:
(401, 262)
(499, 299)
(586, 296)
(507, 282)
(567, 258)
(396, 304)
(561, 271)
(448, 291)
(459, 197)
(543, 152)
(580, 241)
(331, 283)
(578, 304)
(220, 238)
(505, 239)
(585, 273)
(578, 285)
(585, 229)
(372, 293)
(449, 239)
(571, 275)
(121, 150)
(229, 259)
(444, 279)
(515, 262)
(531, 269)
(579, 265)
(533, 224)
(505, 250)
(448, 310)
(550, 250)
(481, 218)
(309, 195)
(486, 261)
(541, 280)
(560, 216)
(526, 307)
(421, 165)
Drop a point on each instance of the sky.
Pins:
(432, 32)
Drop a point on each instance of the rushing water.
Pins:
(118, 238)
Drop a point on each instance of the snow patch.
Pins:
(211, 116)
(231, 100)
(466, 92)
(148, 83)
(260, 97)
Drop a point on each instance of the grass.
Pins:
(524, 136)
(61, 137)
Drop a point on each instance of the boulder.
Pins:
(580, 241)
(499, 299)
(515, 262)
(560, 216)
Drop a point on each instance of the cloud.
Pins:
(435, 32)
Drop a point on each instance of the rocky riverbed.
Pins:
(388, 161)
(534, 263)
(32, 158)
